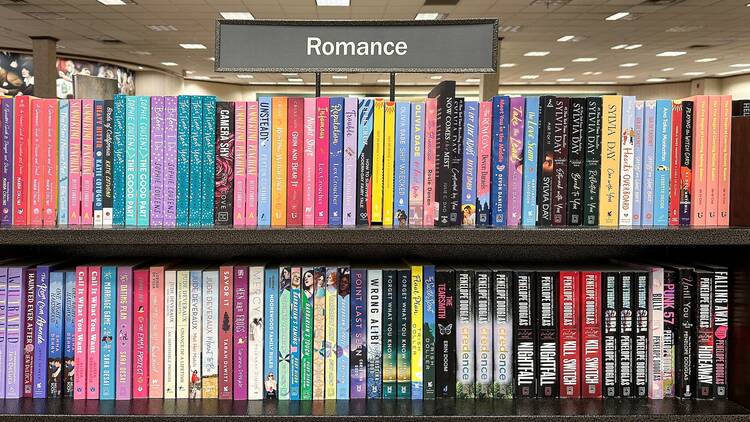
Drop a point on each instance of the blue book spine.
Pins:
(469, 180)
(499, 187)
(271, 340)
(41, 331)
(428, 336)
(401, 164)
(183, 160)
(69, 333)
(63, 120)
(342, 331)
(131, 160)
(55, 339)
(662, 162)
(3, 327)
(98, 162)
(638, 164)
(118, 161)
(143, 197)
(107, 380)
(209, 161)
(530, 148)
(295, 365)
(196, 160)
(264, 161)
(336, 161)
(649, 143)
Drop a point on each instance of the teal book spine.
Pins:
(285, 306)
(108, 322)
(118, 161)
(208, 167)
(183, 160)
(196, 161)
(131, 160)
(390, 304)
(143, 180)
(403, 353)
(428, 333)
(294, 343)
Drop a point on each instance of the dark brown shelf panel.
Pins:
(378, 410)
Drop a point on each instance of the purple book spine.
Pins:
(515, 160)
(157, 161)
(14, 351)
(240, 333)
(170, 161)
(3, 325)
(124, 331)
(350, 162)
(6, 133)
(358, 333)
(41, 331)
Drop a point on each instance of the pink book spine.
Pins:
(430, 145)
(156, 333)
(515, 160)
(484, 156)
(240, 162)
(140, 333)
(712, 164)
(51, 176)
(124, 332)
(94, 316)
(251, 199)
(308, 164)
(700, 133)
(37, 147)
(81, 328)
(74, 163)
(87, 163)
(321, 161)
(725, 159)
(226, 331)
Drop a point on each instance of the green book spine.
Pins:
(404, 335)
(308, 290)
(429, 332)
(390, 360)
(285, 306)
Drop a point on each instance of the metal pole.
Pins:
(317, 84)
(393, 87)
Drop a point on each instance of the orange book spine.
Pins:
(156, 333)
(38, 145)
(278, 163)
(50, 158)
(712, 163)
(725, 159)
(700, 143)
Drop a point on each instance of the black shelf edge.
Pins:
(688, 236)
(28, 410)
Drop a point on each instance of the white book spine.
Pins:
(196, 339)
(656, 339)
(170, 333)
(627, 157)
(210, 348)
(255, 334)
(183, 337)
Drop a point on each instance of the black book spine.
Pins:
(546, 160)
(670, 333)
(547, 335)
(465, 288)
(364, 161)
(610, 333)
(502, 333)
(524, 338)
(390, 338)
(576, 157)
(685, 334)
(641, 333)
(445, 342)
(593, 162)
(625, 308)
(483, 320)
(721, 331)
(403, 339)
(560, 143)
(705, 338)
(741, 108)
(224, 170)
(107, 201)
(456, 169)
(445, 123)
(686, 163)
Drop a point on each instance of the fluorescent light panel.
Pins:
(193, 46)
(584, 59)
(427, 16)
(656, 80)
(169, 63)
(633, 46)
(566, 38)
(245, 76)
(472, 81)
(112, 2)
(671, 54)
(332, 2)
(339, 77)
(536, 53)
(617, 16)
(629, 65)
(507, 65)
(707, 60)
(554, 69)
(238, 16)
(529, 76)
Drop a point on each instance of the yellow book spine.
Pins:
(331, 334)
(417, 377)
(182, 335)
(609, 191)
(377, 161)
(278, 162)
(388, 162)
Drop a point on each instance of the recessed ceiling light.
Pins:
(507, 65)
(383, 81)
(656, 80)
(618, 47)
(529, 76)
(554, 69)
(671, 54)
(332, 2)
(616, 16)
(584, 59)
(740, 65)
(245, 76)
(112, 2)
(436, 77)
(473, 81)
(536, 53)
(566, 79)
(189, 72)
(693, 73)
(667, 69)
(707, 60)
(427, 16)
(169, 63)
(295, 80)
(193, 46)
(238, 16)
(339, 77)
(566, 38)
(626, 77)
(633, 46)
(288, 74)
(629, 65)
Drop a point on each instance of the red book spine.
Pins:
(676, 159)
(92, 346)
(294, 144)
(570, 361)
(591, 334)
(29, 277)
(226, 330)
(38, 145)
(140, 333)
(21, 153)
